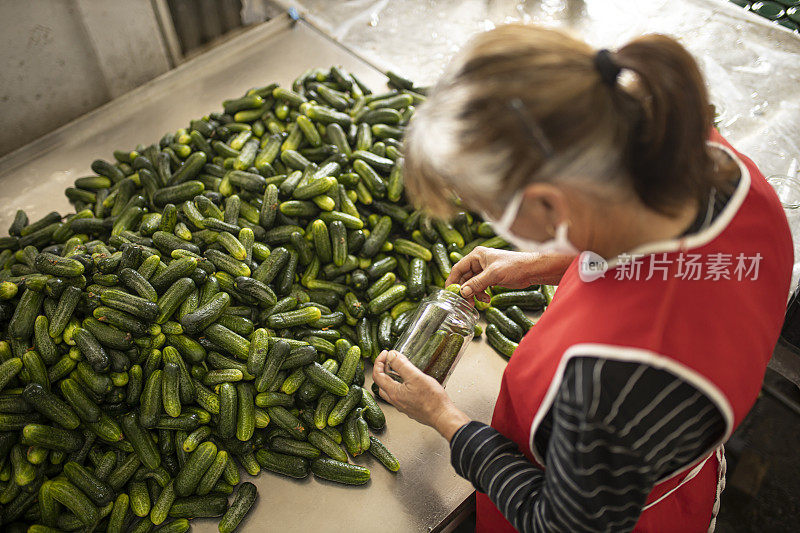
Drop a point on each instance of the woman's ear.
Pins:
(544, 206)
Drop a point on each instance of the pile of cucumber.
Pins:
(210, 305)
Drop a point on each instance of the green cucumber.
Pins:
(50, 437)
(206, 314)
(200, 506)
(245, 413)
(344, 406)
(173, 297)
(443, 362)
(98, 490)
(518, 315)
(507, 327)
(525, 299)
(51, 406)
(189, 476)
(133, 305)
(340, 472)
(385, 300)
(326, 379)
(288, 465)
(75, 500)
(48, 263)
(372, 412)
(287, 421)
(502, 344)
(382, 454)
(294, 447)
(410, 248)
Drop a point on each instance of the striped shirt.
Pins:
(613, 431)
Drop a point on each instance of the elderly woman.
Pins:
(613, 410)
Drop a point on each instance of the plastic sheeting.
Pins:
(752, 66)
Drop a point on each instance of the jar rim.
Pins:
(460, 303)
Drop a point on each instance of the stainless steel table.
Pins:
(426, 490)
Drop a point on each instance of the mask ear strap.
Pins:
(561, 231)
(511, 211)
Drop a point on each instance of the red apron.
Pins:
(718, 334)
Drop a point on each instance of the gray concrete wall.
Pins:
(63, 58)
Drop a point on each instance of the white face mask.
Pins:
(558, 244)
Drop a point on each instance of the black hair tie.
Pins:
(607, 67)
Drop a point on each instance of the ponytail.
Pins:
(524, 103)
(667, 155)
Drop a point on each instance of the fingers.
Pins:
(465, 268)
(401, 365)
(476, 285)
(386, 383)
(378, 368)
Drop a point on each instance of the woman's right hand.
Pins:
(486, 267)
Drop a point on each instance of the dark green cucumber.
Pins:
(75, 500)
(340, 472)
(177, 194)
(173, 297)
(518, 315)
(48, 263)
(377, 237)
(326, 379)
(288, 465)
(91, 349)
(507, 327)
(502, 344)
(98, 490)
(188, 170)
(50, 406)
(228, 405)
(256, 290)
(109, 336)
(527, 300)
(50, 437)
(199, 461)
(206, 314)
(382, 454)
(75, 396)
(294, 447)
(151, 403)
(287, 421)
(21, 324)
(372, 412)
(201, 506)
(278, 352)
(63, 312)
(133, 305)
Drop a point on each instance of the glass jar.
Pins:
(438, 334)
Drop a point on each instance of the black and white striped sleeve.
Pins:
(616, 428)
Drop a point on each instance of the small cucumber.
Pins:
(340, 472)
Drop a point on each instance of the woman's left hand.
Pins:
(419, 396)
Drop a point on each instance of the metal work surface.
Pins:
(426, 490)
